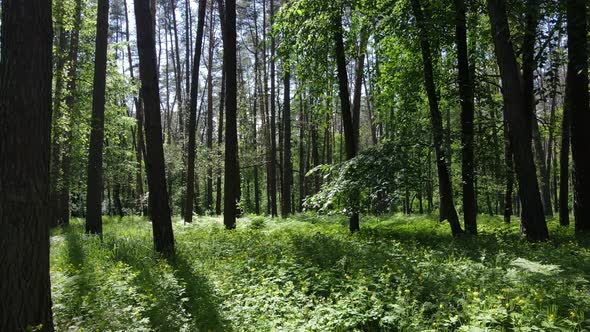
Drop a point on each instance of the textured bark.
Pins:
(447, 207)
(578, 103)
(232, 170)
(287, 165)
(302, 157)
(466, 96)
(192, 123)
(347, 116)
(509, 160)
(94, 181)
(564, 167)
(159, 208)
(272, 171)
(358, 81)
(533, 218)
(25, 124)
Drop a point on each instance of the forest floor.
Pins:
(309, 273)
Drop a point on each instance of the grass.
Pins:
(401, 273)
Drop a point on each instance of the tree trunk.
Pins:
(564, 167)
(192, 123)
(533, 218)
(272, 176)
(210, 115)
(25, 124)
(444, 182)
(578, 103)
(94, 180)
(347, 116)
(287, 166)
(232, 170)
(156, 174)
(509, 160)
(466, 96)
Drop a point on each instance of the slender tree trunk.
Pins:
(467, 109)
(95, 171)
(578, 103)
(302, 158)
(444, 181)
(347, 116)
(232, 170)
(509, 160)
(533, 218)
(564, 167)
(177, 69)
(156, 174)
(287, 166)
(272, 175)
(25, 124)
(192, 123)
(210, 115)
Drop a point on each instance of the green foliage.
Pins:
(309, 273)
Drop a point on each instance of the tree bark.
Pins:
(533, 218)
(287, 166)
(466, 96)
(272, 174)
(190, 177)
(447, 207)
(564, 166)
(578, 103)
(232, 170)
(156, 173)
(95, 181)
(210, 115)
(347, 116)
(25, 124)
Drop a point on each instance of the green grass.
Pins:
(309, 274)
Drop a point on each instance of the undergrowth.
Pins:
(401, 273)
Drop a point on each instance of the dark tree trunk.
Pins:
(192, 122)
(94, 180)
(210, 115)
(533, 218)
(444, 181)
(347, 116)
(25, 124)
(302, 157)
(578, 103)
(564, 166)
(177, 69)
(220, 139)
(467, 109)
(156, 173)
(287, 166)
(358, 81)
(273, 131)
(509, 160)
(232, 170)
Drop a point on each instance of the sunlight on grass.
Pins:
(309, 273)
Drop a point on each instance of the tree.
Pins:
(25, 124)
(272, 163)
(578, 104)
(467, 109)
(192, 123)
(210, 113)
(533, 218)
(232, 170)
(159, 208)
(287, 165)
(95, 183)
(447, 207)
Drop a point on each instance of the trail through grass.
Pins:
(309, 273)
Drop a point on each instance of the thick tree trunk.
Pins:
(578, 103)
(25, 124)
(94, 181)
(287, 166)
(533, 218)
(509, 170)
(232, 170)
(156, 173)
(192, 123)
(444, 181)
(466, 96)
